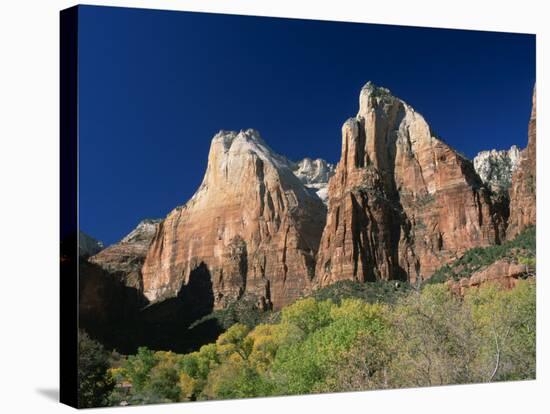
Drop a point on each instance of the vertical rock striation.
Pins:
(402, 202)
(251, 227)
(523, 196)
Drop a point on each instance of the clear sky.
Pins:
(155, 86)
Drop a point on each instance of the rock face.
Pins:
(251, 227)
(523, 196)
(88, 246)
(502, 272)
(125, 258)
(402, 202)
(314, 174)
(495, 168)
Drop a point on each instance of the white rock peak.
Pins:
(145, 230)
(495, 167)
(312, 173)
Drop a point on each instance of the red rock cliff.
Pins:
(251, 227)
(402, 202)
(523, 196)
(125, 258)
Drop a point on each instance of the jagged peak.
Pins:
(495, 167)
(312, 162)
(513, 151)
(372, 95)
(87, 245)
(229, 137)
(144, 228)
(244, 142)
(373, 90)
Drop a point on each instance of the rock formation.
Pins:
(314, 174)
(125, 258)
(251, 227)
(495, 168)
(402, 202)
(502, 272)
(523, 197)
(87, 245)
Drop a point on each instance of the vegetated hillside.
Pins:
(246, 311)
(427, 337)
(350, 336)
(521, 249)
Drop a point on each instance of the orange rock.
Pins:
(251, 227)
(125, 258)
(402, 202)
(523, 196)
(502, 272)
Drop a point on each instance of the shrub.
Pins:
(94, 382)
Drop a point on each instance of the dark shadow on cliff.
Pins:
(120, 318)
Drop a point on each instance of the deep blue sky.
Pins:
(155, 86)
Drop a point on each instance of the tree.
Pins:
(234, 341)
(434, 339)
(506, 322)
(308, 314)
(138, 367)
(163, 382)
(94, 383)
(303, 367)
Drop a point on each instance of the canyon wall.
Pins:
(252, 227)
(402, 202)
(523, 194)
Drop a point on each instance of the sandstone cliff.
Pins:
(125, 258)
(251, 227)
(523, 197)
(503, 272)
(401, 202)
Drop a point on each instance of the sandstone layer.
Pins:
(251, 227)
(402, 202)
(523, 196)
(125, 258)
(502, 272)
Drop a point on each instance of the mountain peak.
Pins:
(145, 230)
(495, 168)
(371, 89)
(87, 245)
(252, 226)
(401, 202)
(228, 137)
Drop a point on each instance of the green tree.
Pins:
(236, 378)
(506, 322)
(138, 367)
(234, 340)
(303, 367)
(163, 382)
(94, 383)
(194, 369)
(434, 339)
(308, 314)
